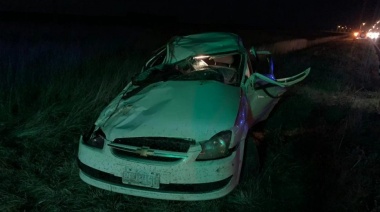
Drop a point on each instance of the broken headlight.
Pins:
(94, 138)
(217, 147)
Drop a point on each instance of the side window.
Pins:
(263, 63)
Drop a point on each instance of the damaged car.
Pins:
(178, 130)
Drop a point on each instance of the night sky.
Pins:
(308, 14)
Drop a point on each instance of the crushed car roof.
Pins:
(182, 47)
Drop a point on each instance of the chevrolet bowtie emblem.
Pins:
(144, 151)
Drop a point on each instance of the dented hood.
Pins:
(179, 109)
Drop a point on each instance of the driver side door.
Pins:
(262, 97)
(263, 93)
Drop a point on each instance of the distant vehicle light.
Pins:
(356, 34)
(373, 35)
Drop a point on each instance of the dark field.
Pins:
(320, 147)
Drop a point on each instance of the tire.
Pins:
(251, 160)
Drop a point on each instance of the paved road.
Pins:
(377, 47)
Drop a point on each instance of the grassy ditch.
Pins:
(320, 146)
(322, 142)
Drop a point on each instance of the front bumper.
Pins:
(185, 179)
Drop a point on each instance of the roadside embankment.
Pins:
(283, 47)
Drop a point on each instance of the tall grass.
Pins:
(327, 130)
(50, 93)
(320, 144)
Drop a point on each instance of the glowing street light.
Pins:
(362, 25)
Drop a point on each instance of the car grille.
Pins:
(174, 145)
(161, 143)
(125, 154)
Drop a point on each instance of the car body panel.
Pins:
(182, 172)
(263, 93)
(184, 109)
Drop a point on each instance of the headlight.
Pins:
(94, 138)
(216, 147)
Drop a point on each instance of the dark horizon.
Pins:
(260, 14)
(139, 19)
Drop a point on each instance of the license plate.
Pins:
(150, 180)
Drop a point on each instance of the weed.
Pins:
(322, 139)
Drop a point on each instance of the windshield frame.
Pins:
(165, 75)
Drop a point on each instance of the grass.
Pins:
(42, 117)
(328, 127)
(320, 145)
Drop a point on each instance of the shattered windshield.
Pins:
(217, 68)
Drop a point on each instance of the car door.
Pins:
(263, 93)
(262, 96)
